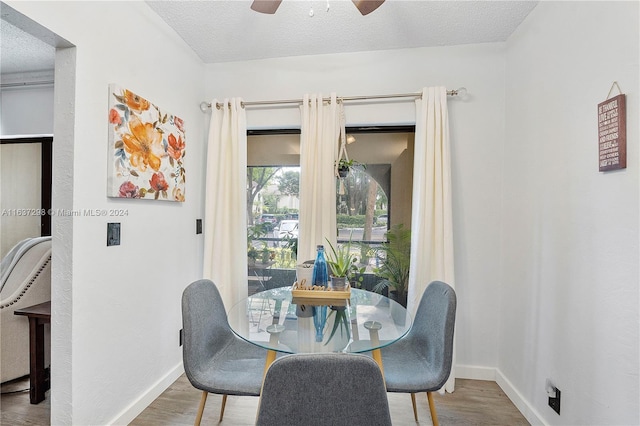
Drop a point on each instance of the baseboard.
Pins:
(474, 372)
(518, 400)
(486, 373)
(138, 406)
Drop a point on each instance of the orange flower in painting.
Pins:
(143, 144)
(135, 102)
(114, 117)
(175, 147)
(158, 183)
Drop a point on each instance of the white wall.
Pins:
(26, 110)
(116, 310)
(477, 133)
(569, 273)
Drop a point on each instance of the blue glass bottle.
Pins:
(320, 277)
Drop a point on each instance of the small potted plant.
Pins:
(252, 255)
(344, 166)
(343, 265)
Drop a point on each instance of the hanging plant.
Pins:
(345, 165)
(343, 168)
(343, 172)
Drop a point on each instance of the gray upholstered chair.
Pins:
(421, 361)
(215, 359)
(323, 389)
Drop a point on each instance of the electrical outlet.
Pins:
(113, 234)
(181, 336)
(554, 402)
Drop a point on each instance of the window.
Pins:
(373, 196)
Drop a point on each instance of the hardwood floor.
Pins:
(15, 408)
(474, 402)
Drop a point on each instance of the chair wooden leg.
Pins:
(415, 409)
(203, 400)
(224, 402)
(271, 356)
(432, 408)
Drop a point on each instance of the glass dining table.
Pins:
(274, 320)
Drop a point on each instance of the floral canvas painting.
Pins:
(146, 149)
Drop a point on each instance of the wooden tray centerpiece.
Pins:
(318, 295)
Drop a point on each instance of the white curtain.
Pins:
(225, 223)
(431, 224)
(318, 150)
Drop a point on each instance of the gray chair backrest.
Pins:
(433, 327)
(204, 325)
(323, 389)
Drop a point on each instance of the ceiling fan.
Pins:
(270, 6)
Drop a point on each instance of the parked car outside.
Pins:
(383, 219)
(287, 229)
(270, 219)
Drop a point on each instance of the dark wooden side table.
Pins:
(38, 315)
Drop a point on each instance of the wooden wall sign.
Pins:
(612, 133)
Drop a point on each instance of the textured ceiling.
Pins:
(223, 31)
(22, 52)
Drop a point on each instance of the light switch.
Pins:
(113, 234)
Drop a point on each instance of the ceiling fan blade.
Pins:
(266, 6)
(367, 6)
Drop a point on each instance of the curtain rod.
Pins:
(204, 106)
(27, 83)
